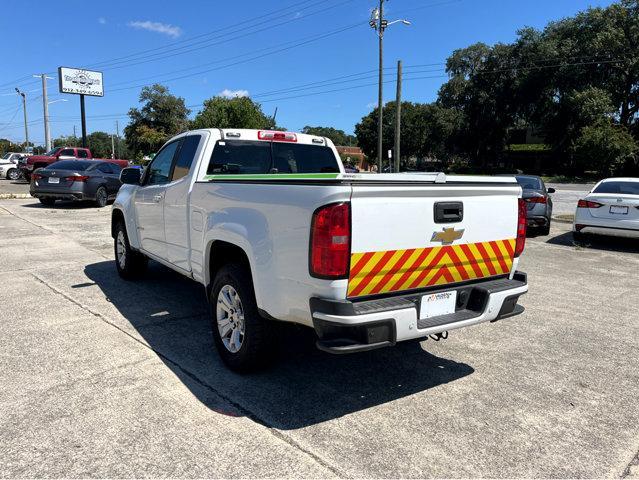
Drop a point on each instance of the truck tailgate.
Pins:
(407, 237)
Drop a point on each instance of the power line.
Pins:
(187, 40)
(351, 78)
(209, 44)
(256, 57)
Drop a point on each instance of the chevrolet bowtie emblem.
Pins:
(447, 236)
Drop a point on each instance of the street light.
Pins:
(49, 128)
(379, 24)
(24, 108)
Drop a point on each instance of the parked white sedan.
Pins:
(611, 208)
(9, 165)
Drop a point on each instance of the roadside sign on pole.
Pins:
(80, 82)
(390, 154)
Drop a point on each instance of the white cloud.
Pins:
(164, 28)
(102, 21)
(226, 93)
(371, 105)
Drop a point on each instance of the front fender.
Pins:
(124, 203)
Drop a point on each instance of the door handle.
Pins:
(157, 198)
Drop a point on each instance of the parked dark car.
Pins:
(538, 202)
(76, 180)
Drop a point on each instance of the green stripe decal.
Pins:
(275, 176)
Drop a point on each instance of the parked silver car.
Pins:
(538, 202)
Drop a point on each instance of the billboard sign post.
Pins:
(79, 81)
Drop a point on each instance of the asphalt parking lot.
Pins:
(101, 377)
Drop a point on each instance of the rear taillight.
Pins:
(521, 228)
(36, 176)
(331, 241)
(277, 136)
(588, 204)
(536, 200)
(77, 178)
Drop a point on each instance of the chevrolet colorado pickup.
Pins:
(274, 229)
(29, 164)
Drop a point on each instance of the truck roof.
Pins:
(253, 134)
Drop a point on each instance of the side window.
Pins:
(159, 170)
(115, 168)
(237, 157)
(105, 168)
(82, 153)
(186, 156)
(67, 152)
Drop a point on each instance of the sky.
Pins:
(313, 60)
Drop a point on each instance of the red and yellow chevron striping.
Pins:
(396, 270)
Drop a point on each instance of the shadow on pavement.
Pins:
(303, 387)
(597, 242)
(67, 205)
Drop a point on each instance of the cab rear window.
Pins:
(251, 157)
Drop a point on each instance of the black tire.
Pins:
(133, 264)
(545, 231)
(101, 197)
(256, 349)
(47, 202)
(13, 174)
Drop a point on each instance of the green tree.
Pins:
(7, 145)
(427, 130)
(338, 137)
(236, 112)
(607, 148)
(161, 116)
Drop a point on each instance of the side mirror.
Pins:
(551, 190)
(130, 176)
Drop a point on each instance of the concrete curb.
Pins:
(14, 195)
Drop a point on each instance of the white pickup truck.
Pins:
(275, 230)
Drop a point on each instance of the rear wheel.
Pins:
(101, 197)
(130, 263)
(49, 202)
(545, 230)
(242, 336)
(13, 174)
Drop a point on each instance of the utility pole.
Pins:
(112, 147)
(24, 108)
(398, 115)
(45, 107)
(380, 24)
(117, 135)
(380, 93)
(74, 132)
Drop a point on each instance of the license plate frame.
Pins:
(437, 304)
(53, 180)
(619, 210)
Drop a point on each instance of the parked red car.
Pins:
(29, 164)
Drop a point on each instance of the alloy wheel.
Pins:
(121, 249)
(230, 318)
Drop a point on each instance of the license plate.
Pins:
(617, 210)
(437, 304)
(54, 180)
